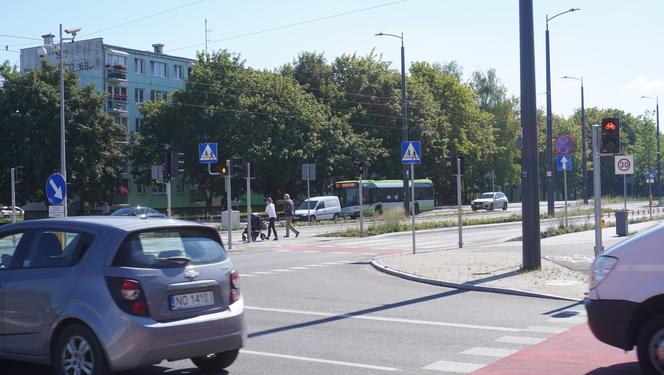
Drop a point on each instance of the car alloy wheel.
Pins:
(650, 346)
(77, 352)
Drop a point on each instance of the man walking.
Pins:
(289, 211)
(272, 217)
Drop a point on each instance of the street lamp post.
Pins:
(549, 121)
(60, 52)
(583, 143)
(404, 114)
(658, 183)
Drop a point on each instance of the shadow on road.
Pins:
(630, 368)
(23, 368)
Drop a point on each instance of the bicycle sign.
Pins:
(563, 144)
(624, 164)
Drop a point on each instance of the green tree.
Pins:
(30, 121)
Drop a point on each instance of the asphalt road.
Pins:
(328, 312)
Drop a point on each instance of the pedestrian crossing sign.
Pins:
(207, 153)
(410, 152)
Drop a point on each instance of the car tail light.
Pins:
(128, 295)
(235, 286)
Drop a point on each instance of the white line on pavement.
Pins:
(541, 329)
(246, 275)
(299, 268)
(489, 352)
(317, 265)
(281, 270)
(384, 319)
(449, 366)
(263, 273)
(520, 340)
(331, 263)
(318, 360)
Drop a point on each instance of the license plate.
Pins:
(191, 300)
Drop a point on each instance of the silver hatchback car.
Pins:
(92, 295)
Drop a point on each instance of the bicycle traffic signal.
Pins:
(610, 143)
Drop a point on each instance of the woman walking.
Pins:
(271, 217)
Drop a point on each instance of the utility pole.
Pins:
(248, 202)
(459, 209)
(531, 252)
(13, 182)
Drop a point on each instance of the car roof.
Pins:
(323, 197)
(116, 223)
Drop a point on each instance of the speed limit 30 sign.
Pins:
(624, 164)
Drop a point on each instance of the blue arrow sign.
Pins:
(207, 153)
(410, 152)
(56, 189)
(564, 163)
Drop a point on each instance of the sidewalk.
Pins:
(497, 268)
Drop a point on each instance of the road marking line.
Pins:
(338, 252)
(520, 340)
(263, 273)
(299, 268)
(247, 275)
(385, 319)
(368, 253)
(331, 263)
(281, 270)
(541, 329)
(569, 320)
(311, 251)
(284, 251)
(449, 366)
(318, 360)
(318, 265)
(490, 352)
(346, 261)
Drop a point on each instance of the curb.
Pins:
(375, 262)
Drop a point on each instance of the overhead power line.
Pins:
(292, 25)
(144, 17)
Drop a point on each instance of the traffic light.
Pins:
(451, 165)
(359, 168)
(462, 164)
(237, 168)
(223, 170)
(19, 174)
(176, 164)
(610, 143)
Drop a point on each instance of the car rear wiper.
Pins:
(179, 260)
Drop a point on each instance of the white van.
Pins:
(625, 303)
(319, 208)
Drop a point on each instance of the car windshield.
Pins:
(486, 196)
(307, 205)
(133, 211)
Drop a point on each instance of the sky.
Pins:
(613, 44)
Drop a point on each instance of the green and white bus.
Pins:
(379, 195)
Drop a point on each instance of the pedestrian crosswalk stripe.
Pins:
(520, 340)
(489, 352)
(450, 366)
(541, 329)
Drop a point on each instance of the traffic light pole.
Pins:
(597, 190)
(13, 178)
(168, 197)
(248, 202)
(228, 204)
(361, 206)
(460, 219)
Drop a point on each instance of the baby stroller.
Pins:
(258, 224)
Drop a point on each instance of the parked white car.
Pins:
(7, 211)
(319, 208)
(490, 201)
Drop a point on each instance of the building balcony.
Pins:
(117, 73)
(116, 105)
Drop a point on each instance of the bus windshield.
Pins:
(348, 196)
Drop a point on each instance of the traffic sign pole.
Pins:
(412, 201)
(565, 188)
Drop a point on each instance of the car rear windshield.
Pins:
(167, 248)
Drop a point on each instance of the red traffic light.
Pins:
(610, 126)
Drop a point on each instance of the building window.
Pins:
(159, 69)
(156, 95)
(139, 124)
(139, 66)
(139, 95)
(116, 61)
(177, 70)
(140, 188)
(117, 93)
(159, 189)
